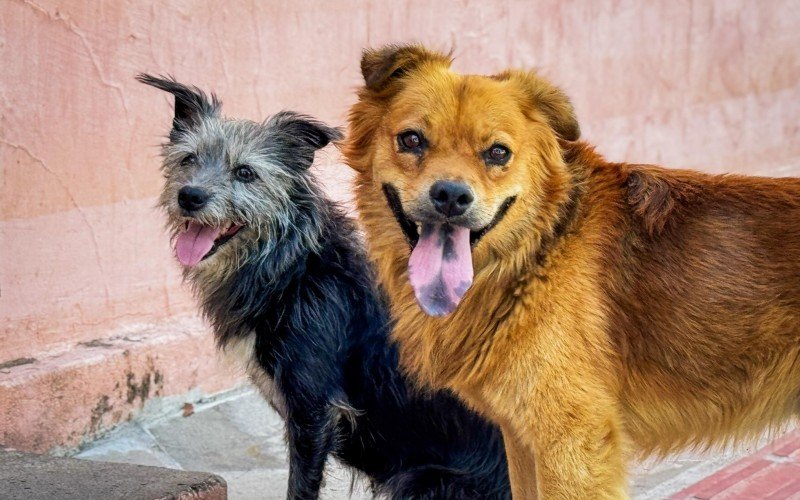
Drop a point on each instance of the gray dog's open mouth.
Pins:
(197, 241)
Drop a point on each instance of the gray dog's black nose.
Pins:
(192, 198)
(451, 198)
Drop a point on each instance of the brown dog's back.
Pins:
(703, 297)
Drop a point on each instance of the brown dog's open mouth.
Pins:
(440, 266)
(410, 228)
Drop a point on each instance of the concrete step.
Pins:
(56, 402)
(27, 476)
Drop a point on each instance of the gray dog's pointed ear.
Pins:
(191, 103)
(303, 134)
(384, 66)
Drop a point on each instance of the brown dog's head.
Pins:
(457, 158)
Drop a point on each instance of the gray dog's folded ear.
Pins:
(304, 130)
(191, 103)
(297, 137)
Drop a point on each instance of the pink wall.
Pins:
(706, 84)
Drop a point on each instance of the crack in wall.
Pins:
(70, 25)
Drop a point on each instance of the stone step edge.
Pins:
(30, 476)
(63, 400)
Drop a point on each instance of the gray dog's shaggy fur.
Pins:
(286, 286)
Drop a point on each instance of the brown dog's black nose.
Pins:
(451, 198)
(191, 198)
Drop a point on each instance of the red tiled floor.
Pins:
(766, 482)
(772, 472)
(790, 449)
(790, 491)
(724, 479)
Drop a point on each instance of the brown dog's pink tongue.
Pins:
(440, 268)
(194, 243)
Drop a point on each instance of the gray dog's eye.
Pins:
(244, 173)
(189, 160)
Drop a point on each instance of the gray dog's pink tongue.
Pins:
(195, 242)
(440, 268)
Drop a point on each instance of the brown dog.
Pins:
(603, 310)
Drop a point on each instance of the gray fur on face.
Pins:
(205, 150)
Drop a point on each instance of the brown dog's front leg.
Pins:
(579, 451)
(562, 430)
(521, 466)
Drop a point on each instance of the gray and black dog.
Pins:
(281, 275)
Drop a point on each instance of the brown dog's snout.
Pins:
(451, 198)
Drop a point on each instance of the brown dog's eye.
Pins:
(411, 141)
(497, 154)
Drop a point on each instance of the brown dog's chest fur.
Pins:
(689, 285)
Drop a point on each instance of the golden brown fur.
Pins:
(616, 310)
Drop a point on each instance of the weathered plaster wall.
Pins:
(709, 84)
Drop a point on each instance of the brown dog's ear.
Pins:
(550, 101)
(381, 67)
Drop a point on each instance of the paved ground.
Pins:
(238, 436)
(29, 476)
(234, 434)
(773, 473)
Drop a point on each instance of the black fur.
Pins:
(321, 330)
(190, 102)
